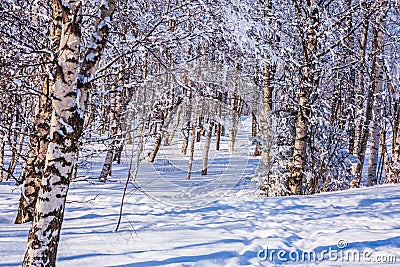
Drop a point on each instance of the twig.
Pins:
(87, 201)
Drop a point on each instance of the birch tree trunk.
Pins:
(187, 121)
(69, 102)
(392, 164)
(218, 126)
(234, 116)
(115, 120)
(265, 118)
(393, 175)
(193, 137)
(39, 139)
(34, 166)
(352, 78)
(360, 84)
(170, 137)
(377, 85)
(46, 226)
(308, 82)
(362, 139)
(206, 148)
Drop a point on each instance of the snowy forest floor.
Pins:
(229, 231)
(213, 220)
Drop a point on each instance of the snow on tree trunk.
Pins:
(116, 122)
(351, 88)
(377, 85)
(35, 163)
(394, 177)
(69, 99)
(64, 126)
(392, 164)
(39, 139)
(377, 65)
(308, 82)
(360, 86)
(265, 118)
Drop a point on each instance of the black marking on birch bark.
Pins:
(71, 60)
(71, 94)
(71, 109)
(44, 126)
(47, 256)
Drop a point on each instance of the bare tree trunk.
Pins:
(360, 85)
(193, 137)
(117, 110)
(16, 152)
(218, 125)
(376, 84)
(49, 212)
(393, 163)
(156, 147)
(170, 137)
(39, 139)
(234, 116)
(69, 103)
(164, 124)
(217, 136)
(206, 148)
(308, 82)
(374, 150)
(254, 131)
(393, 176)
(352, 79)
(187, 120)
(265, 119)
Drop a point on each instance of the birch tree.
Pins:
(72, 82)
(377, 88)
(309, 81)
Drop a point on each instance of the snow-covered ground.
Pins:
(213, 220)
(230, 231)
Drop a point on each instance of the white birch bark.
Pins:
(308, 82)
(170, 137)
(377, 84)
(362, 139)
(234, 117)
(193, 137)
(69, 99)
(115, 120)
(360, 85)
(206, 148)
(392, 163)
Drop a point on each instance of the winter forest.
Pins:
(199, 133)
